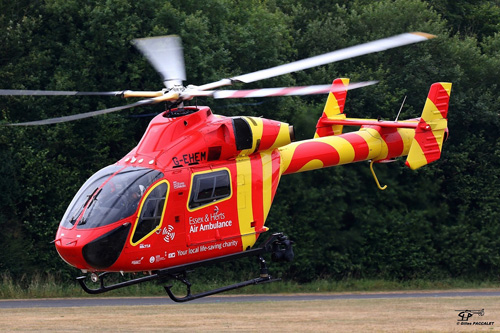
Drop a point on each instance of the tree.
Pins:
(429, 223)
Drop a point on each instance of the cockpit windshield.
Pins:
(110, 195)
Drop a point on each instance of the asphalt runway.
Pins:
(138, 301)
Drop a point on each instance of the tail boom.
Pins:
(379, 141)
(369, 143)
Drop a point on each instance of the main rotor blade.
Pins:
(10, 92)
(287, 91)
(166, 55)
(123, 93)
(167, 97)
(347, 53)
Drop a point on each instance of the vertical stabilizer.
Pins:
(430, 132)
(334, 109)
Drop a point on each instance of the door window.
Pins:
(152, 211)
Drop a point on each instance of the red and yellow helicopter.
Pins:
(198, 187)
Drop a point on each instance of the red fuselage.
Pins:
(196, 186)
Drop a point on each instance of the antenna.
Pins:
(401, 108)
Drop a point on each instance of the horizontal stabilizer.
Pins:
(371, 122)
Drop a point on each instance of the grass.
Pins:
(369, 315)
(48, 286)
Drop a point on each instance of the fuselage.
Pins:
(199, 186)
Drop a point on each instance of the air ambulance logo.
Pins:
(168, 233)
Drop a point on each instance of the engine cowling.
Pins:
(254, 134)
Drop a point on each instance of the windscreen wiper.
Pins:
(90, 206)
(79, 211)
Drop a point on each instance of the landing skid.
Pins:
(278, 244)
(264, 278)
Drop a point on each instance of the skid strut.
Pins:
(278, 244)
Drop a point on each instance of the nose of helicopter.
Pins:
(86, 249)
(69, 248)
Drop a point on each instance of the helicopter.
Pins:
(198, 187)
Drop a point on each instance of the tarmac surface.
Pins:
(140, 301)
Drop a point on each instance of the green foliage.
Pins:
(470, 17)
(50, 286)
(436, 223)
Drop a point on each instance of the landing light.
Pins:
(94, 277)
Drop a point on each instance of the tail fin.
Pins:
(334, 109)
(430, 132)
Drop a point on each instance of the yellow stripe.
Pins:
(286, 153)
(332, 110)
(244, 190)
(267, 182)
(383, 150)
(377, 149)
(407, 135)
(345, 150)
(343, 147)
(332, 106)
(416, 157)
(430, 111)
(447, 87)
(312, 165)
(257, 129)
(283, 137)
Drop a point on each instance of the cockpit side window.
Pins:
(209, 187)
(152, 211)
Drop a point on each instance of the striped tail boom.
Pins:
(420, 139)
